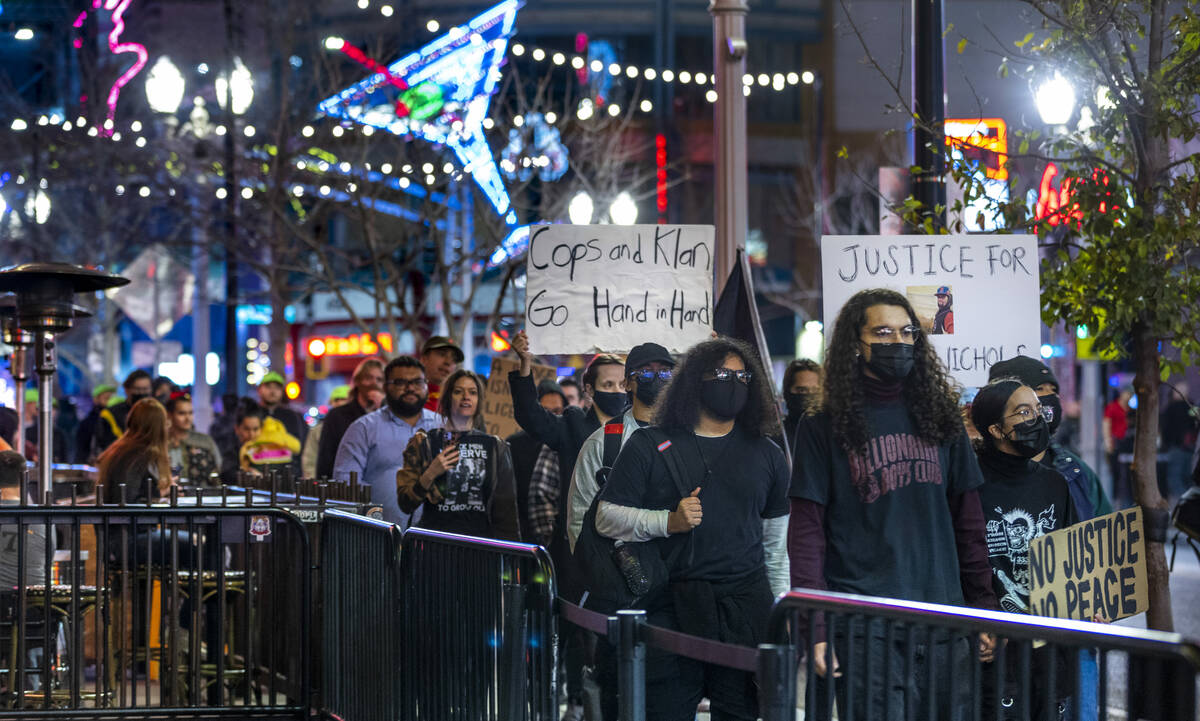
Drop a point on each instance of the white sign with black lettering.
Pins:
(607, 288)
(976, 296)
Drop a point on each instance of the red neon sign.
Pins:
(1057, 205)
(660, 180)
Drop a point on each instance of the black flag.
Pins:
(736, 316)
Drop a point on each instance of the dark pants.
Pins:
(1043, 703)
(895, 678)
(735, 612)
(572, 642)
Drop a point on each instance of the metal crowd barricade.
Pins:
(155, 611)
(479, 629)
(902, 660)
(362, 648)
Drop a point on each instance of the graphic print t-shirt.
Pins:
(466, 488)
(1021, 500)
(888, 528)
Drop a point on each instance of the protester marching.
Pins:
(669, 463)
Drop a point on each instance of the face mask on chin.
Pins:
(403, 408)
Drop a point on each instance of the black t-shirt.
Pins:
(742, 480)
(888, 528)
(467, 488)
(1021, 500)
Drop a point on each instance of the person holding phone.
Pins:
(460, 476)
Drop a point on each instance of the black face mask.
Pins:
(1030, 438)
(610, 404)
(1054, 403)
(797, 403)
(891, 361)
(135, 397)
(647, 391)
(724, 399)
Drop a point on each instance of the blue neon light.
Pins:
(463, 67)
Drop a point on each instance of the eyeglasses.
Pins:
(1027, 414)
(406, 383)
(649, 375)
(724, 374)
(886, 334)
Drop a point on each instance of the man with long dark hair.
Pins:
(711, 484)
(885, 500)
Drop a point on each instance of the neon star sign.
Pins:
(439, 94)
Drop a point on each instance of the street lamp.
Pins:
(164, 87)
(1055, 100)
(37, 206)
(239, 85)
(581, 208)
(623, 210)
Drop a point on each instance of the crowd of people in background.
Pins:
(663, 482)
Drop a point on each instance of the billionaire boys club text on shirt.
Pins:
(893, 461)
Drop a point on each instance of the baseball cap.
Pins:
(272, 377)
(441, 341)
(1029, 371)
(645, 354)
(340, 393)
(102, 389)
(943, 290)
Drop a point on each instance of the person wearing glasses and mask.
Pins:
(1022, 500)
(373, 446)
(711, 484)
(886, 500)
(1086, 490)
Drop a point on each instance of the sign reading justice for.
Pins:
(607, 288)
(976, 296)
(1090, 568)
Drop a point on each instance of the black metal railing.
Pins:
(160, 610)
(478, 615)
(902, 660)
(362, 649)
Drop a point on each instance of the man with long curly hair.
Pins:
(710, 487)
(885, 497)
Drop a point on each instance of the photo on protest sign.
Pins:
(497, 401)
(1097, 567)
(977, 297)
(607, 288)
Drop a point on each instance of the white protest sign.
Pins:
(607, 288)
(977, 296)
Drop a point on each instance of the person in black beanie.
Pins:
(1022, 500)
(1086, 489)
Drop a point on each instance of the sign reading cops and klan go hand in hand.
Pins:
(593, 288)
(1097, 567)
(976, 296)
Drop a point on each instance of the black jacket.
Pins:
(335, 425)
(564, 434)
(110, 418)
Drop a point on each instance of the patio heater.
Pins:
(45, 308)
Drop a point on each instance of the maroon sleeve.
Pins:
(806, 551)
(974, 571)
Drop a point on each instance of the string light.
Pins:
(778, 81)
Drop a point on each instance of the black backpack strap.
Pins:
(674, 470)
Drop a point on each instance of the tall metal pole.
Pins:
(231, 265)
(201, 398)
(47, 357)
(729, 65)
(928, 94)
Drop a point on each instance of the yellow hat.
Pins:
(274, 445)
